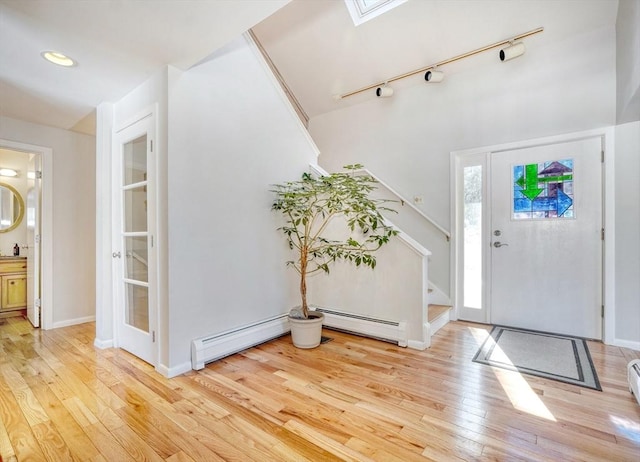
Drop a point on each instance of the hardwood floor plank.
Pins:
(23, 442)
(6, 449)
(80, 413)
(109, 447)
(51, 443)
(350, 399)
(339, 450)
(136, 446)
(179, 457)
(74, 437)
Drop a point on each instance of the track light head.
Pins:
(434, 76)
(384, 91)
(512, 51)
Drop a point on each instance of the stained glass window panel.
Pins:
(543, 190)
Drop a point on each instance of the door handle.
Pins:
(499, 244)
(116, 255)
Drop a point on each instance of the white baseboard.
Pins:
(170, 372)
(103, 344)
(415, 345)
(627, 344)
(207, 349)
(73, 322)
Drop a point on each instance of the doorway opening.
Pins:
(34, 233)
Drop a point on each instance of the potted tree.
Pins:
(309, 206)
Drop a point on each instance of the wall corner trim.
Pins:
(170, 372)
(103, 344)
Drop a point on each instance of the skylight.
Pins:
(364, 10)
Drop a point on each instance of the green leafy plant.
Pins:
(310, 204)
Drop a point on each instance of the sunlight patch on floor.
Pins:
(627, 427)
(520, 393)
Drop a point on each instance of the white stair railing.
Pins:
(422, 228)
(405, 203)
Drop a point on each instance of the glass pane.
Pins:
(137, 307)
(135, 209)
(473, 237)
(136, 265)
(135, 160)
(543, 190)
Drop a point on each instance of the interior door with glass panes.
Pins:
(133, 252)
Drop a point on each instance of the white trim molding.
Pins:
(170, 372)
(103, 344)
(73, 322)
(626, 344)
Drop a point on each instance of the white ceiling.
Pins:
(320, 53)
(120, 43)
(117, 43)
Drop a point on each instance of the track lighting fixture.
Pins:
(434, 76)
(384, 91)
(512, 51)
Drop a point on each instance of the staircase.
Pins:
(417, 231)
(437, 317)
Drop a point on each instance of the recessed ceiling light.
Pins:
(8, 172)
(58, 58)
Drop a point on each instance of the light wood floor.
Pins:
(349, 399)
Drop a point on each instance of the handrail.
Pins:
(403, 201)
(404, 237)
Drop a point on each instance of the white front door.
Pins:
(546, 238)
(33, 238)
(133, 246)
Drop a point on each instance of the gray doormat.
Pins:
(557, 357)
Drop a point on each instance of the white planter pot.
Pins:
(306, 333)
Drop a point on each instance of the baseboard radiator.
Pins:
(393, 331)
(208, 349)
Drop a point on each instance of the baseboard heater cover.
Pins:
(211, 348)
(393, 331)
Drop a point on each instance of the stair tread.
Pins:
(435, 311)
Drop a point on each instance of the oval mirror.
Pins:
(11, 208)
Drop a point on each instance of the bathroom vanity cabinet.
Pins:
(13, 284)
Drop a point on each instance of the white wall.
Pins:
(396, 290)
(627, 211)
(628, 64)
(406, 140)
(73, 271)
(231, 136)
(18, 161)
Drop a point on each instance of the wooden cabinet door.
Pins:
(14, 291)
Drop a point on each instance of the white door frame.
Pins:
(608, 270)
(115, 188)
(46, 226)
